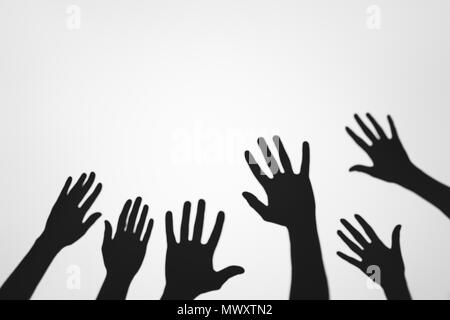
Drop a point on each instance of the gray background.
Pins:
(161, 98)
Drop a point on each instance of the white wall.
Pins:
(142, 81)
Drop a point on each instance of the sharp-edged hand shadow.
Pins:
(123, 255)
(189, 263)
(65, 225)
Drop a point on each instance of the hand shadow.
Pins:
(291, 204)
(391, 163)
(66, 224)
(385, 263)
(123, 255)
(189, 263)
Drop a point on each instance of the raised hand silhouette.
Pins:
(291, 204)
(123, 255)
(385, 264)
(290, 195)
(64, 227)
(390, 160)
(65, 224)
(189, 263)
(391, 163)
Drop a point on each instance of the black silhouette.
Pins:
(64, 227)
(376, 257)
(291, 204)
(189, 263)
(392, 164)
(123, 255)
